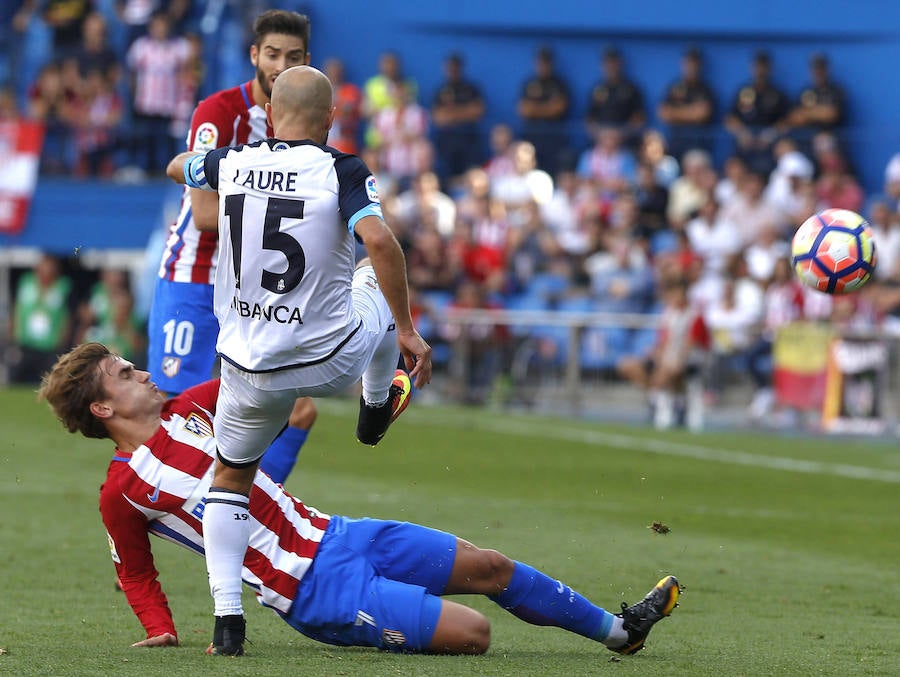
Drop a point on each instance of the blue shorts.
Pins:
(374, 583)
(182, 332)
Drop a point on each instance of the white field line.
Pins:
(668, 448)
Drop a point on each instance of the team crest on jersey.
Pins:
(281, 145)
(171, 366)
(372, 189)
(112, 549)
(195, 424)
(206, 138)
(393, 637)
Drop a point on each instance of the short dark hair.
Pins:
(283, 22)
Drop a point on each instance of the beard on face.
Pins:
(263, 81)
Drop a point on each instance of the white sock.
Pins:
(377, 378)
(226, 534)
(617, 635)
(664, 416)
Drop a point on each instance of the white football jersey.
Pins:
(287, 211)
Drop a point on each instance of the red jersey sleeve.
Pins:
(129, 545)
(212, 125)
(204, 394)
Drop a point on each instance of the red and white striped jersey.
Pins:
(159, 489)
(155, 64)
(226, 118)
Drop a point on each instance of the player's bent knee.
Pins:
(497, 567)
(479, 571)
(460, 630)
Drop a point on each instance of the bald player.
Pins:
(297, 316)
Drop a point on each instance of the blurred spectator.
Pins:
(733, 171)
(53, 104)
(187, 87)
(734, 322)
(653, 152)
(41, 319)
(501, 162)
(608, 167)
(621, 276)
(783, 303)
(528, 184)
(477, 348)
(688, 108)
(679, 261)
(155, 61)
(387, 184)
(136, 15)
(543, 107)
(531, 247)
(616, 101)
(820, 106)
(562, 214)
(457, 109)
(689, 191)
(715, 239)
(97, 116)
(836, 187)
(388, 89)
(855, 313)
(475, 184)
(790, 184)
(402, 128)
(652, 199)
(886, 231)
(483, 239)
(758, 109)
(763, 251)
(94, 53)
(748, 210)
(680, 351)
(65, 19)
(433, 265)
(424, 201)
(348, 109)
(106, 316)
(892, 182)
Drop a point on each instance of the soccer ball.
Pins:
(834, 251)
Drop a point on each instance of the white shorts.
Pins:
(253, 408)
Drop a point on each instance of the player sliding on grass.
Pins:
(360, 582)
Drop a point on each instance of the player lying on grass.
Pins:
(361, 582)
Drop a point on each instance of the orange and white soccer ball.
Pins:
(834, 251)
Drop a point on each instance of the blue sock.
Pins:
(281, 455)
(540, 600)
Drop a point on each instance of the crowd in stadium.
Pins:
(631, 219)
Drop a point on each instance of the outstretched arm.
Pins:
(390, 269)
(129, 544)
(176, 167)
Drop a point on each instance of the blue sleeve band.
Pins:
(194, 174)
(368, 210)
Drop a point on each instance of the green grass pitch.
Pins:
(788, 548)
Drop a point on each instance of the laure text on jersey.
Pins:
(266, 179)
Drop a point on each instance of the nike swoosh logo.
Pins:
(154, 497)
